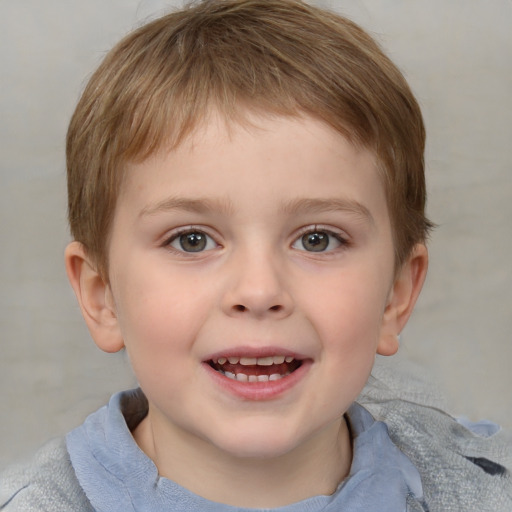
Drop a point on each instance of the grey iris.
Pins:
(315, 242)
(193, 242)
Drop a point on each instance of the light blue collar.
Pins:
(118, 477)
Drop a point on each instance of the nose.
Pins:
(256, 287)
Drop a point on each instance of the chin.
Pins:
(257, 442)
(261, 451)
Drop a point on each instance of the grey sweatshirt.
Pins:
(462, 469)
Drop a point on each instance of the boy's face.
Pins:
(268, 245)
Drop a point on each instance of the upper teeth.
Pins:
(251, 361)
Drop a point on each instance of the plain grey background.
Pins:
(457, 56)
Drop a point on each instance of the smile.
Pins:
(255, 369)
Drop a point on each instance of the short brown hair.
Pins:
(283, 57)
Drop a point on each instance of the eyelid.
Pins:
(339, 235)
(337, 232)
(176, 233)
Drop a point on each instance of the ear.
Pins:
(94, 297)
(402, 298)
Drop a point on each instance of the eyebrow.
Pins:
(199, 205)
(309, 205)
(293, 207)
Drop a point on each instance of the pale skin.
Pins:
(251, 241)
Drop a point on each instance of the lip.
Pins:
(257, 391)
(255, 352)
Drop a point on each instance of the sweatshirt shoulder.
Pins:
(463, 465)
(47, 482)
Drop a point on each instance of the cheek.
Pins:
(349, 330)
(159, 318)
(159, 339)
(348, 310)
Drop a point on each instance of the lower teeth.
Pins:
(242, 377)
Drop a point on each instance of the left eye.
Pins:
(318, 241)
(192, 241)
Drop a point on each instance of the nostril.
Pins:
(240, 308)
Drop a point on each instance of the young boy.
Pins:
(246, 196)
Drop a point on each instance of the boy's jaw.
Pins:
(181, 313)
(261, 374)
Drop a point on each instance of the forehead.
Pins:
(283, 159)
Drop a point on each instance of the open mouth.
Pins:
(255, 369)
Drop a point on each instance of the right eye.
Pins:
(192, 241)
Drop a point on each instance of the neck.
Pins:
(315, 468)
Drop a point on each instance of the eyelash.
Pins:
(187, 231)
(299, 239)
(340, 239)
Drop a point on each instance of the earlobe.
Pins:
(94, 298)
(406, 289)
